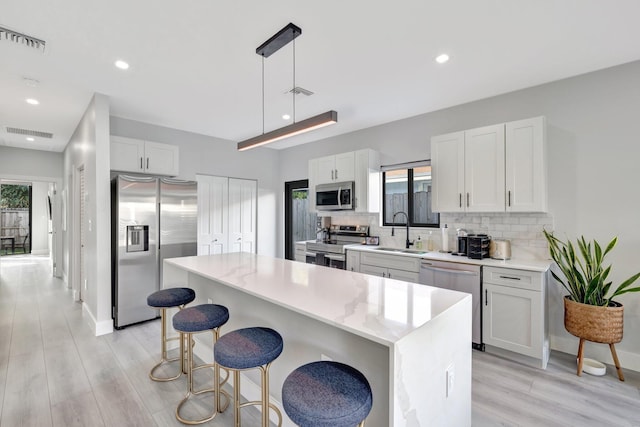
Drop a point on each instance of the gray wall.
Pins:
(593, 174)
(35, 163)
(88, 148)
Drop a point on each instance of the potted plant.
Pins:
(590, 312)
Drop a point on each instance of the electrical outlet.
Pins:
(209, 301)
(450, 375)
(326, 358)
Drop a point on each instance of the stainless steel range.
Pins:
(330, 252)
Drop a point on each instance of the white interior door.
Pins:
(212, 214)
(242, 215)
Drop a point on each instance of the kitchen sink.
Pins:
(402, 251)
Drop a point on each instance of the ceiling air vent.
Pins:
(16, 37)
(30, 132)
(300, 91)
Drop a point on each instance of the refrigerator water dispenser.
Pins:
(137, 238)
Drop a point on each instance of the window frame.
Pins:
(410, 196)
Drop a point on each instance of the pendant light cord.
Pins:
(262, 94)
(294, 80)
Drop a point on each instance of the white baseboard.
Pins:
(249, 390)
(100, 328)
(596, 351)
(40, 252)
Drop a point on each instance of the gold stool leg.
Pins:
(163, 347)
(191, 368)
(264, 397)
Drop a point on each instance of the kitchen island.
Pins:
(407, 339)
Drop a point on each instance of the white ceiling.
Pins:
(194, 66)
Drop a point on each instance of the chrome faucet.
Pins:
(408, 242)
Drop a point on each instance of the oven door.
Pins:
(336, 261)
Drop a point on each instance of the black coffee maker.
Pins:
(462, 248)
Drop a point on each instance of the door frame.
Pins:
(289, 247)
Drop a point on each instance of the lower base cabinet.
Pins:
(390, 266)
(514, 314)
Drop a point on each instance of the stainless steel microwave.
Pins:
(335, 196)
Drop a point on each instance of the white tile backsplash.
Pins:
(523, 229)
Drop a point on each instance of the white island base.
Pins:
(403, 337)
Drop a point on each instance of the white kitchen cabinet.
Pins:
(336, 168)
(390, 266)
(491, 169)
(484, 169)
(135, 155)
(353, 260)
(514, 314)
(526, 165)
(447, 171)
(362, 167)
(226, 215)
(468, 170)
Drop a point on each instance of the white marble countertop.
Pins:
(520, 264)
(382, 310)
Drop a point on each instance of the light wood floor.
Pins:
(54, 372)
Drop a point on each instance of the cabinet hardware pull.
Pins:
(384, 274)
(147, 163)
(467, 199)
(460, 194)
(509, 198)
(140, 162)
(336, 173)
(239, 238)
(510, 278)
(331, 174)
(486, 298)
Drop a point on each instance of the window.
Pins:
(408, 189)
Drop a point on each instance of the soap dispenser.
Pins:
(419, 243)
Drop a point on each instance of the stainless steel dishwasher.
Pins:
(458, 277)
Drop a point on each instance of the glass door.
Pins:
(299, 223)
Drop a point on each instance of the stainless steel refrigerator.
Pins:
(151, 219)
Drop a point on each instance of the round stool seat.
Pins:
(326, 394)
(200, 318)
(171, 297)
(248, 348)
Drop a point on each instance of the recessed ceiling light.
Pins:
(32, 101)
(30, 139)
(441, 59)
(122, 64)
(286, 117)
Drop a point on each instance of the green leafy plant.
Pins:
(583, 269)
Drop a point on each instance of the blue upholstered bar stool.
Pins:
(162, 300)
(250, 348)
(327, 394)
(201, 318)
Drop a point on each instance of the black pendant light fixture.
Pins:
(266, 49)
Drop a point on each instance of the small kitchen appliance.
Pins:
(462, 246)
(500, 249)
(335, 196)
(478, 246)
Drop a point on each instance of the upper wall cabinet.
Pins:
(491, 169)
(362, 167)
(135, 155)
(526, 166)
(338, 168)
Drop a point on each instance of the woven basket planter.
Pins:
(594, 323)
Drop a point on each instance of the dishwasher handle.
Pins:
(449, 270)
